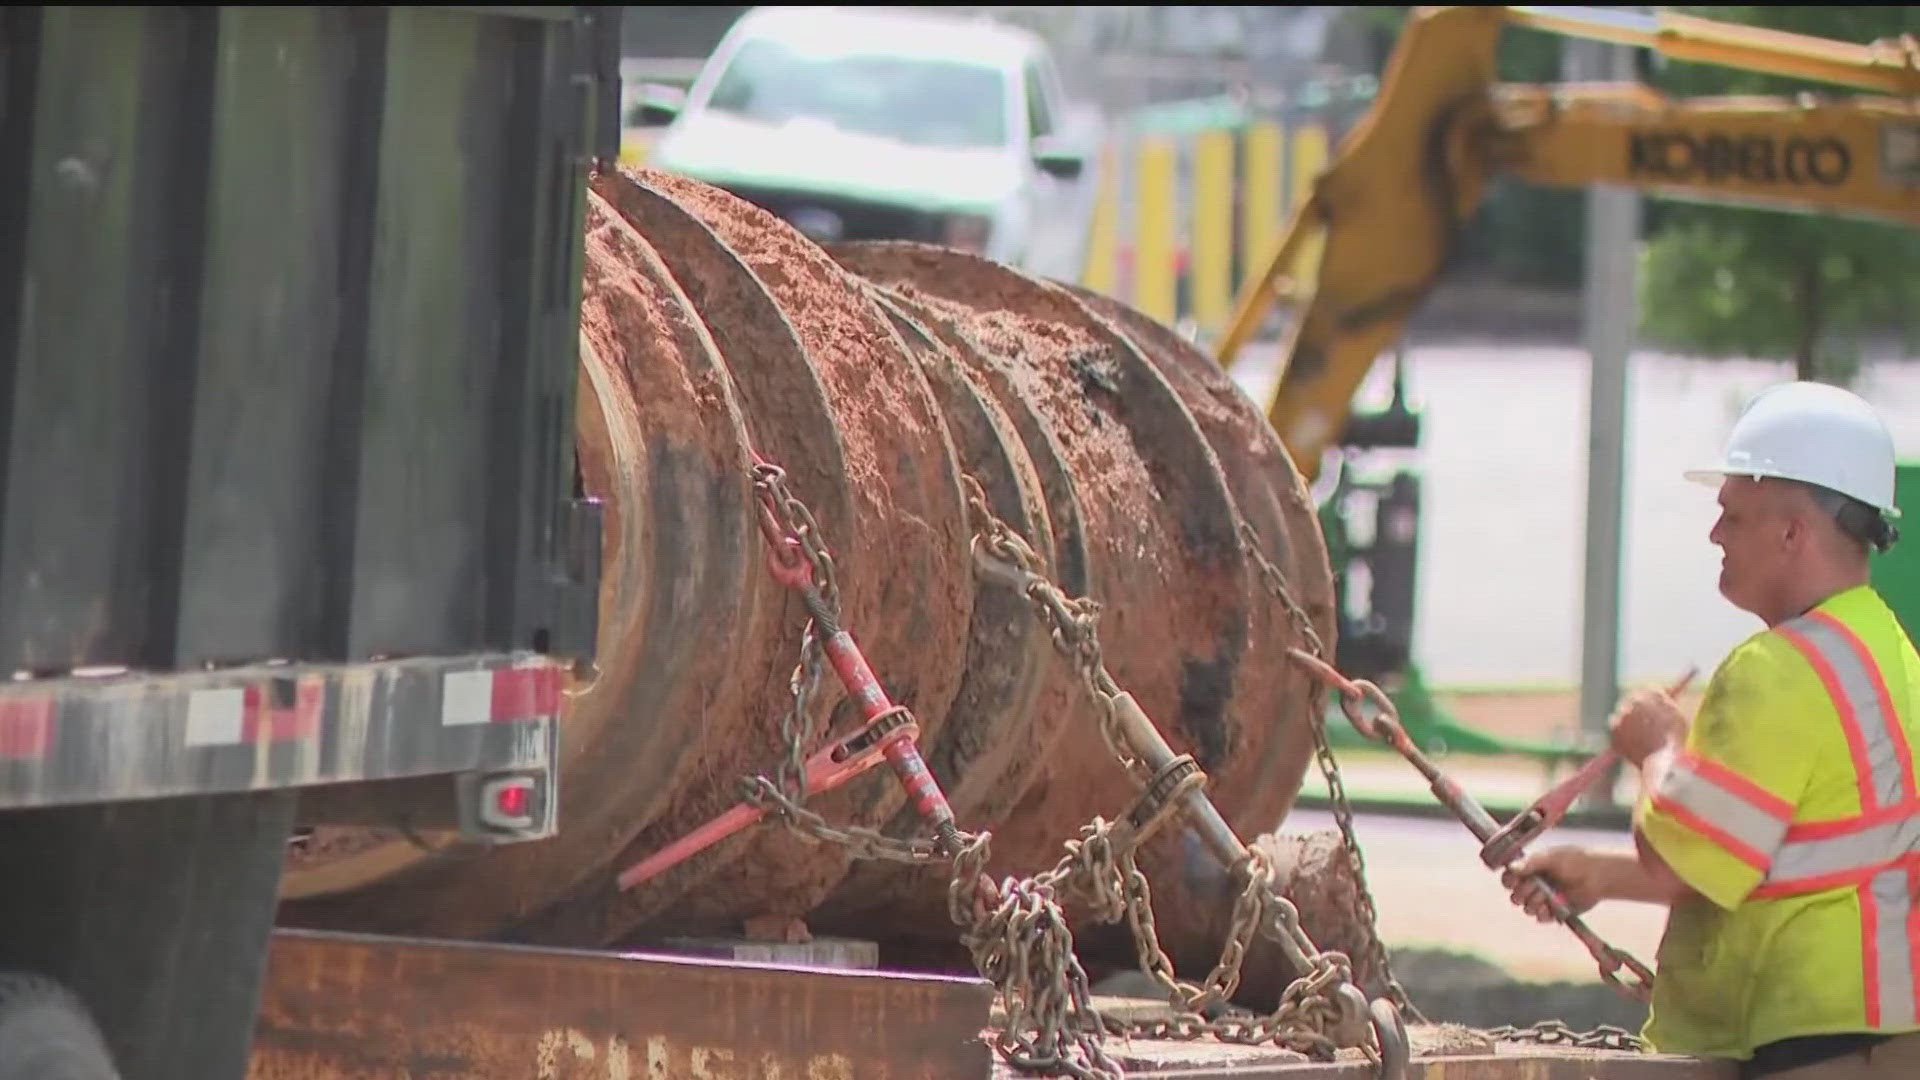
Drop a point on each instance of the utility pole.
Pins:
(1609, 316)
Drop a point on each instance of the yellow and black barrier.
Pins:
(1179, 221)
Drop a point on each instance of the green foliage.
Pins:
(1722, 280)
(1737, 282)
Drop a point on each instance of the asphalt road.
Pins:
(1504, 463)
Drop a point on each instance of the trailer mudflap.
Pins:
(339, 1005)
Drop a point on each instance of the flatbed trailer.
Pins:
(383, 1008)
(288, 533)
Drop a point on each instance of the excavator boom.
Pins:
(1388, 210)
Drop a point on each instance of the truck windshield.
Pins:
(917, 100)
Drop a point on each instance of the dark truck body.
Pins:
(288, 505)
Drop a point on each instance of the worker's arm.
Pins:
(1661, 883)
(1715, 806)
(1647, 730)
(1584, 877)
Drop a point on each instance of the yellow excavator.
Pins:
(1407, 179)
(1376, 229)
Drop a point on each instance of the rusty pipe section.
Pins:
(876, 375)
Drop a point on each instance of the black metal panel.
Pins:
(434, 338)
(19, 73)
(523, 397)
(275, 317)
(288, 303)
(104, 337)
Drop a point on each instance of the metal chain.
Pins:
(861, 842)
(785, 795)
(1553, 1032)
(770, 483)
(1336, 787)
(1020, 942)
(796, 729)
(1071, 621)
(1604, 1037)
(1307, 1010)
(1015, 929)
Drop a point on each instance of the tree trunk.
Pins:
(1807, 299)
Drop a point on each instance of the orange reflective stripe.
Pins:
(1742, 818)
(1882, 760)
(1877, 852)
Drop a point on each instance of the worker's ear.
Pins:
(1793, 531)
(1794, 509)
(1786, 522)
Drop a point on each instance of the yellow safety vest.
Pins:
(1792, 812)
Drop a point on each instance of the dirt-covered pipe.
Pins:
(878, 375)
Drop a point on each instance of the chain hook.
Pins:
(1612, 960)
(1351, 1006)
(786, 557)
(787, 562)
(1383, 726)
(1396, 1051)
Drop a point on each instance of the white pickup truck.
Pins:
(857, 124)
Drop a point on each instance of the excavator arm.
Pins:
(1388, 211)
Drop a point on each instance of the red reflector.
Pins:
(511, 799)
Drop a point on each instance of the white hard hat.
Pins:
(1815, 433)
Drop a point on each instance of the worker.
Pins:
(1782, 826)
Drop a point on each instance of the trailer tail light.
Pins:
(511, 799)
(508, 806)
(506, 803)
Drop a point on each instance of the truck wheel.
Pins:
(46, 1034)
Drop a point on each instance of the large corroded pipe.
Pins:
(878, 376)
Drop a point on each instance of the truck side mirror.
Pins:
(1055, 159)
(659, 105)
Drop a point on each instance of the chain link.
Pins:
(1071, 621)
(1307, 1010)
(1021, 942)
(792, 518)
(1336, 787)
(797, 521)
(861, 842)
(1604, 1037)
(1556, 1033)
(1016, 930)
(785, 795)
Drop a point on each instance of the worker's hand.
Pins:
(1572, 870)
(1646, 721)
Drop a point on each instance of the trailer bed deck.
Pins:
(338, 1005)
